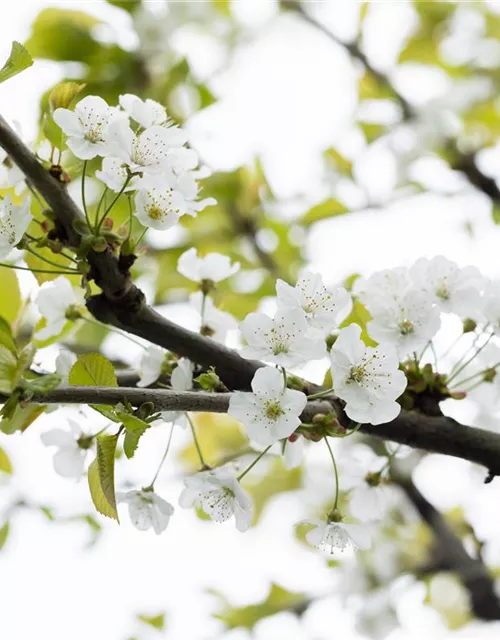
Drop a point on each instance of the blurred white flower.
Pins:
(220, 496)
(14, 222)
(324, 309)
(335, 537)
(271, 412)
(180, 380)
(151, 365)
(383, 288)
(216, 323)
(73, 447)
(147, 510)
(64, 362)
(147, 113)
(213, 267)
(370, 495)
(368, 379)
(87, 126)
(114, 175)
(55, 300)
(294, 451)
(281, 339)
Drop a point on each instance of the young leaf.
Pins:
(6, 338)
(8, 365)
(157, 622)
(10, 296)
(18, 61)
(135, 428)
(5, 463)
(101, 477)
(21, 418)
(94, 370)
(4, 534)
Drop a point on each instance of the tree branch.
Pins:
(452, 555)
(465, 163)
(123, 305)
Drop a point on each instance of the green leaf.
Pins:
(10, 296)
(341, 164)
(4, 534)
(157, 621)
(94, 370)
(5, 463)
(18, 61)
(22, 418)
(6, 338)
(41, 384)
(328, 209)
(127, 5)
(101, 476)
(277, 479)
(63, 34)
(359, 315)
(8, 367)
(135, 428)
(277, 600)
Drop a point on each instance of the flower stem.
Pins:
(99, 205)
(252, 465)
(320, 394)
(15, 266)
(475, 375)
(140, 238)
(283, 371)
(336, 473)
(51, 262)
(163, 458)
(196, 443)
(467, 362)
(113, 202)
(84, 201)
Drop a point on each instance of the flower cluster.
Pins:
(142, 151)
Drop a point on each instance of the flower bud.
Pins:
(63, 94)
(469, 325)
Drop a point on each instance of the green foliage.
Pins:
(18, 61)
(157, 621)
(21, 418)
(94, 370)
(8, 368)
(5, 463)
(6, 337)
(277, 479)
(134, 430)
(359, 315)
(4, 534)
(101, 476)
(278, 599)
(127, 5)
(10, 296)
(327, 209)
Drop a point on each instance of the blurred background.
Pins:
(348, 136)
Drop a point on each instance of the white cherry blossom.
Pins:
(294, 451)
(337, 537)
(72, 449)
(213, 267)
(407, 323)
(151, 365)
(147, 510)
(14, 222)
(180, 380)
(324, 309)
(384, 288)
(367, 379)
(87, 126)
(281, 339)
(216, 323)
(271, 412)
(220, 496)
(64, 363)
(114, 175)
(155, 150)
(147, 112)
(489, 311)
(454, 289)
(54, 300)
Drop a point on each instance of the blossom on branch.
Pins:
(368, 379)
(150, 368)
(72, 449)
(147, 113)
(215, 323)
(147, 510)
(220, 496)
(56, 301)
(14, 222)
(335, 537)
(271, 412)
(213, 267)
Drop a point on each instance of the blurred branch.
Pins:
(453, 557)
(463, 162)
(123, 305)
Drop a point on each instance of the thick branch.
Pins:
(465, 163)
(471, 571)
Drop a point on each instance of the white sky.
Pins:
(293, 92)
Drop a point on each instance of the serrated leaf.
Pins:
(134, 430)
(94, 370)
(157, 621)
(101, 477)
(22, 418)
(10, 295)
(278, 599)
(5, 463)
(4, 534)
(328, 209)
(18, 61)
(8, 366)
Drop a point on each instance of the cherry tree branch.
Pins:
(123, 305)
(463, 162)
